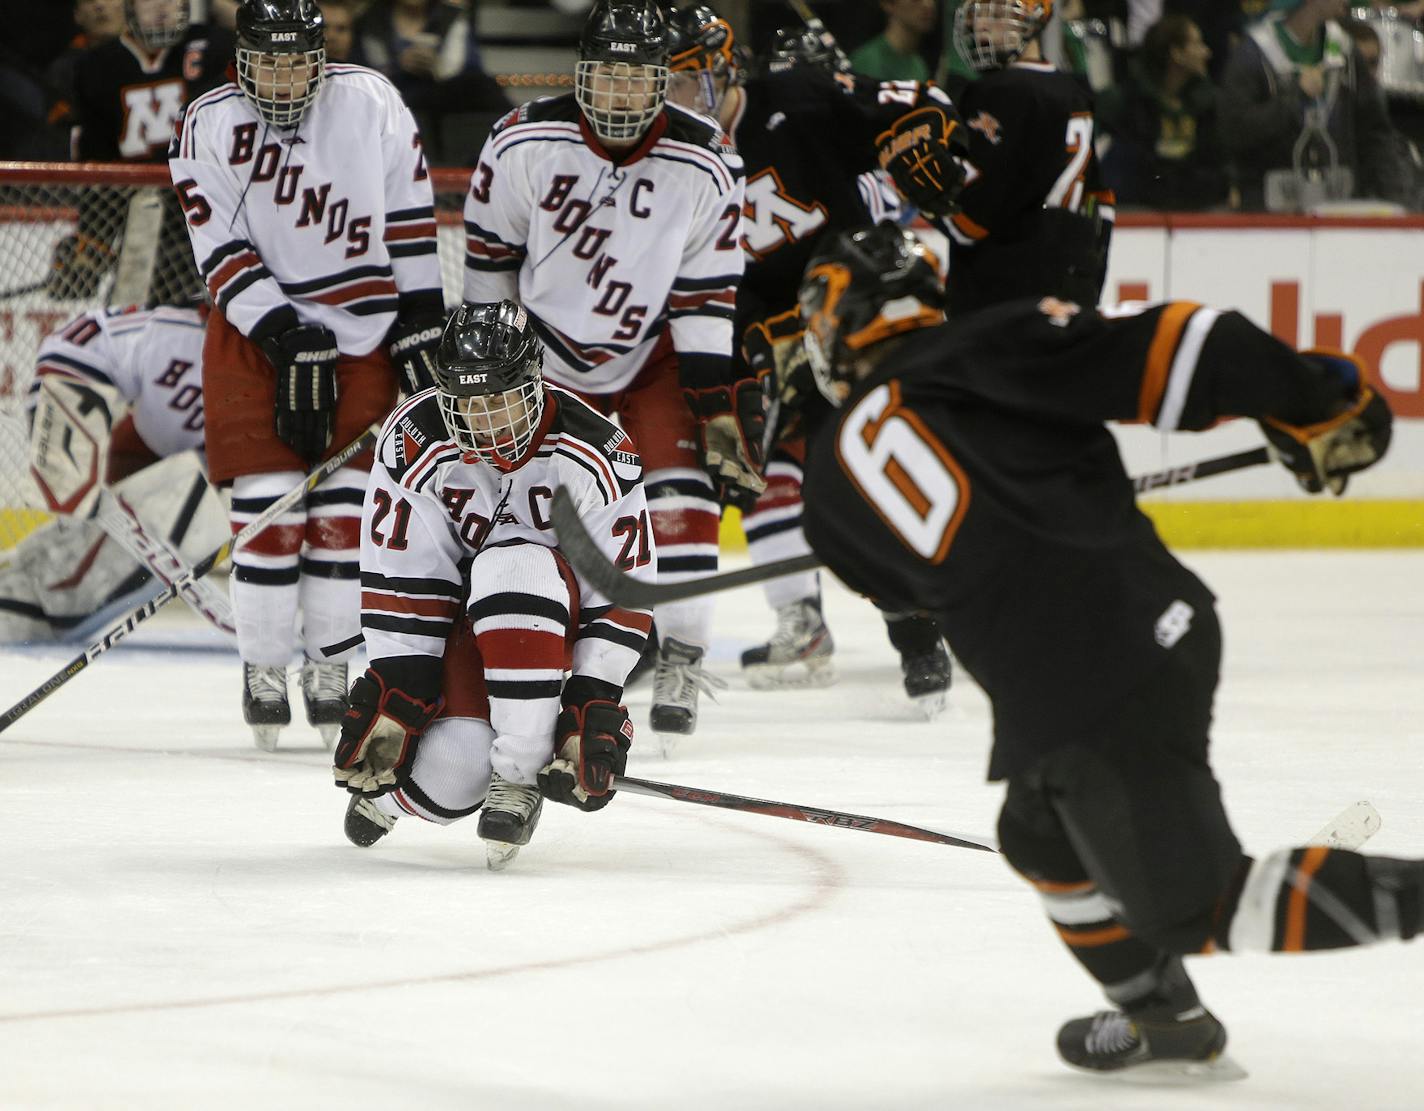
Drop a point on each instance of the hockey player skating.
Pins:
(969, 472)
(312, 221)
(615, 220)
(808, 141)
(114, 393)
(471, 614)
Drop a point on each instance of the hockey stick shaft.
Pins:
(124, 526)
(23, 290)
(796, 812)
(137, 616)
(622, 590)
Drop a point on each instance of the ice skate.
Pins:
(676, 684)
(1187, 1046)
(927, 678)
(264, 703)
(799, 653)
(507, 820)
(366, 823)
(324, 692)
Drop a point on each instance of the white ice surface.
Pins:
(182, 924)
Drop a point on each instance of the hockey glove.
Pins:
(731, 422)
(305, 361)
(379, 735)
(1323, 455)
(77, 266)
(921, 152)
(592, 743)
(69, 442)
(773, 348)
(413, 344)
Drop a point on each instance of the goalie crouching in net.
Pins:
(472, 616)
(116, 407)
(968, 471)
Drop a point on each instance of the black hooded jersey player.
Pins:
(1035, 217)
(969, 472)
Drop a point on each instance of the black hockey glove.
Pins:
(921, 152)
(379, 735)
(773, 348)
(731, 423)
(591, 747)
(1323, 455)
(305, 361)
(413, 344)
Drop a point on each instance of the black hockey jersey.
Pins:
(1035, 216)
(127, 100)
(805, 136)
(973, 477)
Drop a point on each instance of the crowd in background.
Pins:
(1325, 101)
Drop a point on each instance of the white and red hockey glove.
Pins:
(591, 747)
(379, 735)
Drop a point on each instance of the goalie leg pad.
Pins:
(69, 441)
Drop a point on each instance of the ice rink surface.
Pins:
(184, 925)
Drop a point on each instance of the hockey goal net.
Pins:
(75, 237)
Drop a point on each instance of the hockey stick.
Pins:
(23, 290)
(622, 590)
(795, 812)
(132, 620)
(816, 27)
(124, 526)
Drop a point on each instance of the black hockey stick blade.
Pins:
(796, 812)
(1202, 468)
(623, 590)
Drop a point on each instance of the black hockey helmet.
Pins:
(489, 374)
(863, 287)
(621, 77)
(281, 57)
(991, 34)
(156, 24)
(701, 58)
(801, 46)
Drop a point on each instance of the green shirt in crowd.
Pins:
(878, 58)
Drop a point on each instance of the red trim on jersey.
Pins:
(726, 296)
(583, 449)
(381, 602)
(375, 287)
(230, 269)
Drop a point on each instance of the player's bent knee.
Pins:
(451, 772)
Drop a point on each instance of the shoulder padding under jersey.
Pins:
(549, 109)
(596, 444)
(414, 439)
(686, 127)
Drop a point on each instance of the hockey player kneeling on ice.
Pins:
(312, 220)
(116, 405)
(968, 472)
(495, 671)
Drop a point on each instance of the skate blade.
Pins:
(1351, 828)
(777, 677)
(668, 742)
(500, 854)
(265, 737)
(931, 705)
(330, 734)
(1170, 1074)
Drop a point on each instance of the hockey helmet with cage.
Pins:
(991, 34)
(701, 58)
(489, 376)
(801, 46)
(156, 24)
(620, 80)
(863, 287)
(281, 57)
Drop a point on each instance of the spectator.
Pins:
(340, 18)
(98, 22)
(428, 50)
(894, 54)
(1307, 119)
(1166, 151)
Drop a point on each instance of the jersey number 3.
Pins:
(903, 472)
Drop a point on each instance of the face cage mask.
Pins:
(1015, 29)
(512, 418)
(708, 100)
(643, 83)
(254, 66)
(158, 38)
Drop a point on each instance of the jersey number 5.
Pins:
(903, 472)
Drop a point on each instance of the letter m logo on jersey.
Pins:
(150, 111)
(772, 218)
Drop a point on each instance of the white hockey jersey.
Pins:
(153, 357)
(428, 511)
(335, 219)
(603, 255)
